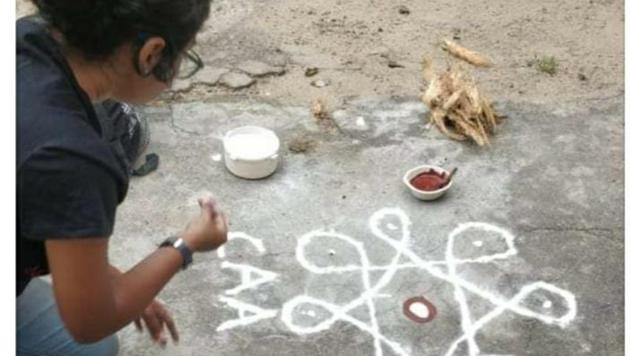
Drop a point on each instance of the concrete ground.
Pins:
(523, 256)
(552, 180)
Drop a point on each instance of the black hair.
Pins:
(96, 28)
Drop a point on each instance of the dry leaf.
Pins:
(323, 118)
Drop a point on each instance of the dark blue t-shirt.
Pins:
(70, 179)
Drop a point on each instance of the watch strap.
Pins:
(179, 244)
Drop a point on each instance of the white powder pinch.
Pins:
(251, 146)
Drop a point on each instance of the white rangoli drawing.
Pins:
(403, 259)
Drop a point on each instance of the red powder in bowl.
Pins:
(429, 181)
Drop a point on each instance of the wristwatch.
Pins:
(179, 244)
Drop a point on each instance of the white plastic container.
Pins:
(425, 194)
(251, 152)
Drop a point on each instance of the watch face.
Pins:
(180, 245)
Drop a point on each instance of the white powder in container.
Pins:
(251, 146)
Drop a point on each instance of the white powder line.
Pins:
(254, 314)
(512, 303)
(488, 296)
(400, 247)
(251, 278)
(460, 297)
(248, 279)
(293, 304)
(398, 267)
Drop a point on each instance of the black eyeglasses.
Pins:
(190, 65)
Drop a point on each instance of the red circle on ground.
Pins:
(422, 300)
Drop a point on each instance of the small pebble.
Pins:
(394, 64)
(311, 71)
(456, 34)
(319, 83)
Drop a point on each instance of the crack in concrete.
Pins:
(613, 235)
(588, 230)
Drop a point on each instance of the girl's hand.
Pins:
(155, 318)
(208, 230)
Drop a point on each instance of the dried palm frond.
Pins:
(458, 109)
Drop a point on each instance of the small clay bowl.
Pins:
(425, 194)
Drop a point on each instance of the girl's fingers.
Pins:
(154, 325)
(138, 324)
(170, 324)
